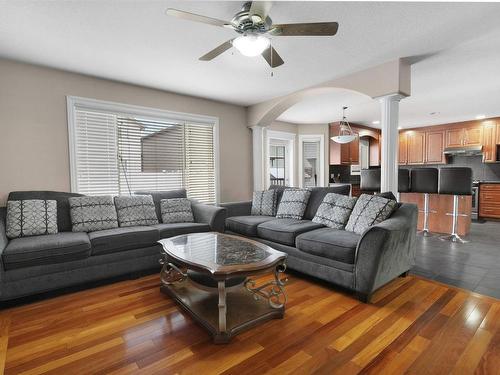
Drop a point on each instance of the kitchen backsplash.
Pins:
(480, 171)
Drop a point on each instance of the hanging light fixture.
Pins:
(346, 134)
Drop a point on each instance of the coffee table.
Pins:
(211, 275)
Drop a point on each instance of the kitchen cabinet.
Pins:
(498, 134)
(489, 143)
(489, 200)
(403, 149)
(354, 150)
(434, 147)
(416, 147)
(343, 154)
(454, 137)
(467, 136)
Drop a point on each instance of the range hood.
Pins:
(464, 151)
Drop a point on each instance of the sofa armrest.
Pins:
(238, 208)
(214, 216)
(3, 238)
(386, 250)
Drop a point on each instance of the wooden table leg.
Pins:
(222, 306)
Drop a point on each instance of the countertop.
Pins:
(489, 182)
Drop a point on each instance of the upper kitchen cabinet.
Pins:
(464, 136)
(489, 142)
(403, 148)
(416, 147)
(434, 147)
(498, 133)
(348, 153)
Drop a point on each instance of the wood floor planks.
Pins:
(413, 326)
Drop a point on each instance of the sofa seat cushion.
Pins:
(335, 244)
(285, 230)
(246, 225)
(175, 229)
(120, 239)
(46, 249)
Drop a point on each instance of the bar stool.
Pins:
(455, 181)
(425, 180)
(370, 180)
(403, 180)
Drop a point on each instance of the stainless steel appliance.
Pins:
(475, 200)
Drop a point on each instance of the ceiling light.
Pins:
(346, 134)
(376, 122)
(251, 44)
(480, 117)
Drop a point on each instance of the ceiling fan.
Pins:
(253, 23)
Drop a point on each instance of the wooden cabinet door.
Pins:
(354, 151)
(498, 134)
(473, 136)
(489, 143)
(345, 155)
(416, 147)
(454, 137)
(403, 149)
(434, 147)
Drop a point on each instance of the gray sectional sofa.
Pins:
(361, 263)
(32, 265)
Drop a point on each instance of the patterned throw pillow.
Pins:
(335, 210)
(265, 202)
(176, 210)
(293, 204)
(369, 210)
(89, 214)
(135, 210)
(31, 217)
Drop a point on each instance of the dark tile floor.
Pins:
(474, 266)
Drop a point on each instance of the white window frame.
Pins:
(289, 138)
(127, 109)
(312, 138)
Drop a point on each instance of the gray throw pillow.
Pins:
(369, 210)
(89, 214)
(265, 202)
(135, 210)
(293, 204)
(31, 217)
(176, 210)
(335, 210)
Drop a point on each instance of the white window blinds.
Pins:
(120, 153)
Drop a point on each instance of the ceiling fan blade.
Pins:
(197, 18)
(217, 51)
(305, 29)
(261, 8)
(272, 57)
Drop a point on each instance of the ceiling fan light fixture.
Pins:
(251, 44)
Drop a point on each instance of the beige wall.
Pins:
(34, 134)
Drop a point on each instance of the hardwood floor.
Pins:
(413, 326)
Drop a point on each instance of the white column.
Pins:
(259, 157)
(389, 106)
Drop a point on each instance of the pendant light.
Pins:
(346, 134)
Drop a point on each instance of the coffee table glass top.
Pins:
(219, 252)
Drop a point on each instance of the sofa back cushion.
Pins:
(335, 210)
(176, 210)
(135, 210)
(265, 202)
(61, 198)
(293, 204)
(31, 217)
(162, 194)
(89, 214)
(317, 196)
(370, 210)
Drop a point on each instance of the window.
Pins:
(119, 149)
(311, 160)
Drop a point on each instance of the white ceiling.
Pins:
(133, 41)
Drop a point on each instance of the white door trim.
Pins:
(313, 138)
